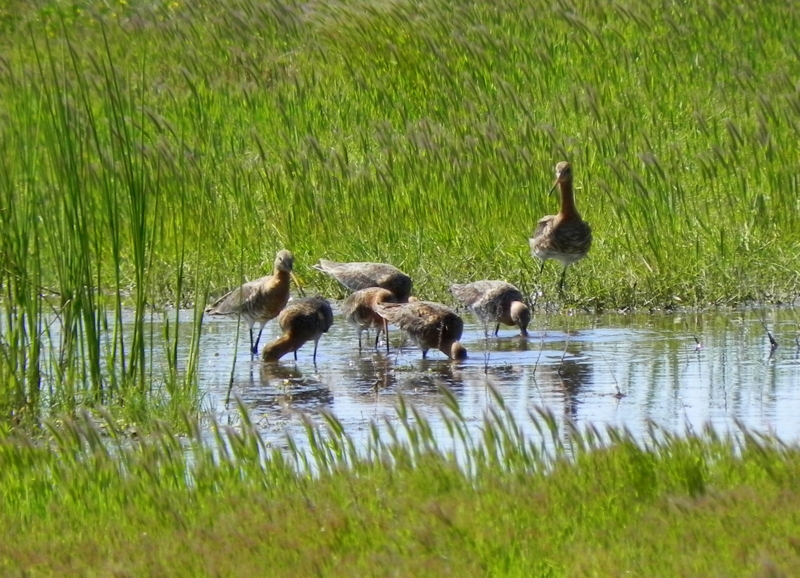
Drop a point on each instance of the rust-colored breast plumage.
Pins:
(360, 307)
(302, 320)
(256, 301)
(306, 318)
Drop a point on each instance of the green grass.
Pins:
(595, 503)
(153, 151)
(418, 133)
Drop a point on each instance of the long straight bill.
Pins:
(299, 284)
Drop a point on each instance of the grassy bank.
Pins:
(594, 503)
(153, 151)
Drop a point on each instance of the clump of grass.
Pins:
(414, 501)
(80, 204)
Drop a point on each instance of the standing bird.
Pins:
(564, 237)
(355, 276)
(359, 309)
(495, 301)
(301, 321)
(429, 325)
(260, 300)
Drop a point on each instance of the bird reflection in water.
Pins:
(280, 388)
(570, 376)
(428, 375)
(373, 374)
(379, 374)
(507, 344)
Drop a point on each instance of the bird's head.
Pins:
(563, 174)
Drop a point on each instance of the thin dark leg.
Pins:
(315, 351)
(386, 334)
(295, 355)
(424, 353)
(254, 349)
(561, 283)
(359, 341)
(496, 329)
(541, 271)
(377, 338)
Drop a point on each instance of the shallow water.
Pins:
(624, 370)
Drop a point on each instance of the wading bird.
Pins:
(356, 276)
(495, 302)
(359, 310)
(302, 320)
(564, 237)
(260, 300)
(429, 325)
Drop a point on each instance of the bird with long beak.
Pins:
(430, 325)
(303, 320)
(495, 302)
(359, 310)
(564, 237)
(260, 300)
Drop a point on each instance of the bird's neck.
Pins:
(568, 208)
(446, 347)
(278, 348)
(281, 275)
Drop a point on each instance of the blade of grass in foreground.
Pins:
(228, 504)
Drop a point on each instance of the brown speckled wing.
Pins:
(233, 301)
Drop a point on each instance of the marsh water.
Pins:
(679, 370)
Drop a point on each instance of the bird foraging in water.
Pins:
(564, 237)
(429, 325)
(359, 309)
(495, 302)
(260, 300)
(356, 276)
(302, 320)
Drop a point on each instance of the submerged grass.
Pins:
(411, 503)
(150, 150)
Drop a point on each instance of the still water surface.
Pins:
(623, 370)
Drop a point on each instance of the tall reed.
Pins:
(81, 201)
